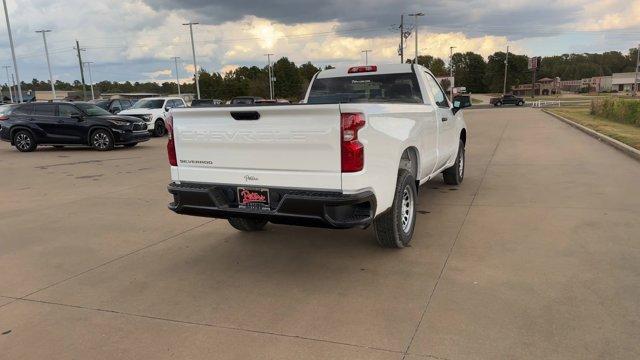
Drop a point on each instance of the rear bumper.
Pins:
(287, 206)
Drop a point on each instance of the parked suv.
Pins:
(154, 111)
(26, 126)
(114, 106)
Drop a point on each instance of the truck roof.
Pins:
(340, 71)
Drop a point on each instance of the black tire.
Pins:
(455, 174)
(101, 140)
(520, 103)
(499, 103)
(394, 228)
(24, 141)
(58, 147)
(247, 224)
(130, 145)
(159, 129)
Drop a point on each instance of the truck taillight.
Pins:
(352, 150)
(171, 145)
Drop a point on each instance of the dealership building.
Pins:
(623, 82)
(617, 82)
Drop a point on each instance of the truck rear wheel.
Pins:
(247, 224)
(394, 228)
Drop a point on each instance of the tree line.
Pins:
(470, 70)
(481, 76)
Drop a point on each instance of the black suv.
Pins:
(60, 123)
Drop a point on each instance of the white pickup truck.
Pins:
(352, 155)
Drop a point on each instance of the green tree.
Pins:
(517, 71)
(469, 70)
(288, 82)
(435, 65)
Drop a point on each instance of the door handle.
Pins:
(445, 118)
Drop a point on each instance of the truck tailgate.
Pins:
(295, 146)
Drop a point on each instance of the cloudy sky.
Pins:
(135, 39)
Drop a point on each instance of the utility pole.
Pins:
(88, 63)
(9, 85)
(635, 82)
(175, 59)
(415, 26)
(13, 52)
(451, 70)
(13, 82)
(84, 90)
(401, 50)
(195, 66)
(270, 76)
(46, 53)
(366, 56)
(506, 64)
(533, 83)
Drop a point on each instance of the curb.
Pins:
(628, 150)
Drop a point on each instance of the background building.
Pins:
(623, 82)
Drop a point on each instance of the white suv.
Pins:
(154, 111)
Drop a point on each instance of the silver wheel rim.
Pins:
(23, 142)
(461, 167)
(101, 140)
(406, 214)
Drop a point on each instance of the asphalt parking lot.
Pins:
(535, 256)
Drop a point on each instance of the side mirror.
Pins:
(167, 108)
(460, 102)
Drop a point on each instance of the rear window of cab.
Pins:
(394, 88)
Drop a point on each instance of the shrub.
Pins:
(619, 110)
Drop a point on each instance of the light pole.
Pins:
(175, 59)
(415, 26)
(506, 65)
(366, 56)
(635, 81)
(46, 53)
(195, 66)
(13, 52)
(270, 76)
(9, 85)
(451, 70)
(88, 63)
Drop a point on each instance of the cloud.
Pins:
(157, 74)
(227, 68)
(625, 15)
(135, 40)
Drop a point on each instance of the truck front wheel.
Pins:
(394, 228)
(247, 224)
(455, 174)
